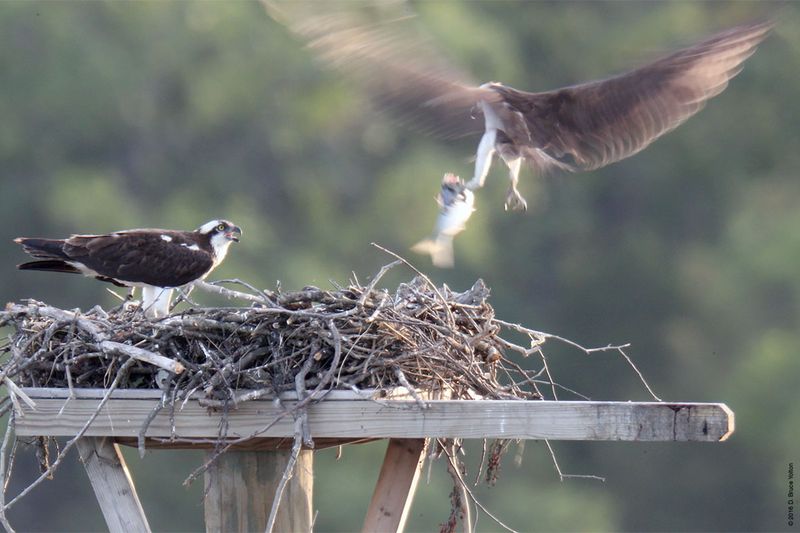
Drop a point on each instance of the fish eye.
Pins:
(221, 227)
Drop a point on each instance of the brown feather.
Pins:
(392, 60)
(588, 126)
(140, 256)
(576, 128)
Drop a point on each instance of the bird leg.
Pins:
(514, 199)
(483, 159)
(155, 301)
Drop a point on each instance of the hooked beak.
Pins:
(234, 234)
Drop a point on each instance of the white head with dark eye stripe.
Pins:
(220, 233)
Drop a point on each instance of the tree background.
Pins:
(120, 115)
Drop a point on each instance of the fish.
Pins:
(456, 205)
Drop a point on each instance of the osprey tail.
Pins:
(43, 248)
(50, 253)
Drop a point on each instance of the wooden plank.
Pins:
(240, 487)
(469, 419)
(112, 485)
(397, 482)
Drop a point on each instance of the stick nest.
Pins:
(418, 336)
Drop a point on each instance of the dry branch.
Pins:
(143, 355)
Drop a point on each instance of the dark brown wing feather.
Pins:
(388, 57)
(587, 126)
(49, 265)
(141, 257)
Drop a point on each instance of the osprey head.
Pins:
(221, 229)
(220, 233)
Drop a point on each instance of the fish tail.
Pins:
(440, 250)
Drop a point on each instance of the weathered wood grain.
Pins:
(397, 482)
(240, 487)
(631, 421)
(112, 485)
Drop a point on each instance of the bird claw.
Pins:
(515, 201)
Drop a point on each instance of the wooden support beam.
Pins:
(397, 482)
(469, 419)
(112, 485)
(240, 487)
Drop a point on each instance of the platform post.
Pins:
(112, 485)
(240, 486)
(397, 482)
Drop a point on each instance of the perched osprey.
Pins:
(157, 260)
(577, 128)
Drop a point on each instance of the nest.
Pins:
(419, 336)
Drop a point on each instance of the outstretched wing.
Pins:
(140, 257)
(588, 126)
(390, 59)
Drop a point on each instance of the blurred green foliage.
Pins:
(118, 115)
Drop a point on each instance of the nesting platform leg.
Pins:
(112, 485)
(397, 482)
(240, 486)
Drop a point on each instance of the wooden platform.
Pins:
(346, 417)
(237, 499)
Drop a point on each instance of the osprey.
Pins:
(157, 260)
(577, 128)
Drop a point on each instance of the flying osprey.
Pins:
(157, 260)
(577, 128)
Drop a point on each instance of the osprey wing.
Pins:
(391, 60)
(588, 126)
(153, 257)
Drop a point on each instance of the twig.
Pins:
(143, 355)
(229, 293)
(288, 473)
(411, 390)
(259, 292)
(3, 463)
(59, 315)
(562, 476)
(141, 438)
(620, 348)
(15, 392)
(376, 279)
(423, 276)
(472, 497)
(638, 373)
(455, 469)
(548, 374)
